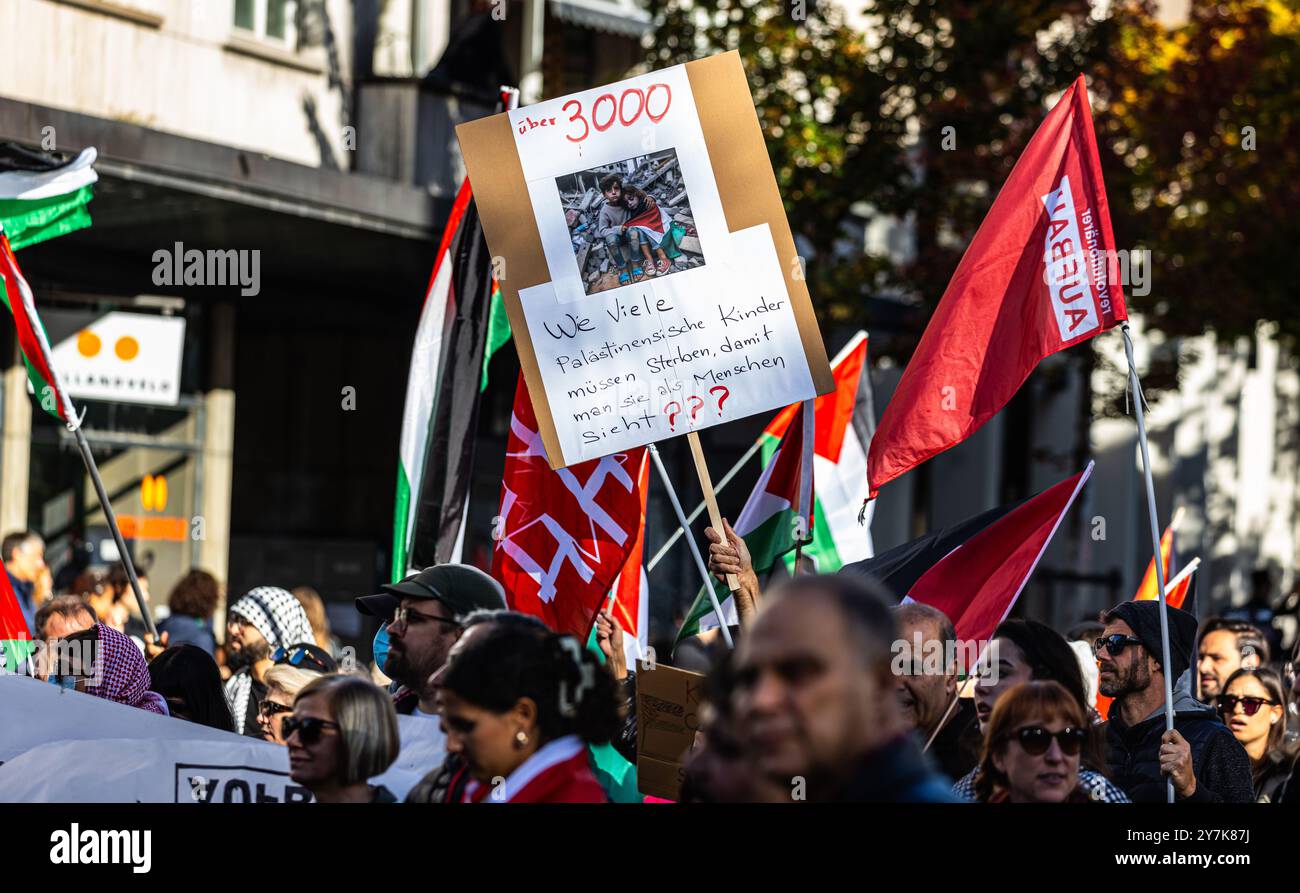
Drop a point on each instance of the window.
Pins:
(270, 20)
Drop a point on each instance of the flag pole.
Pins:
(695, 547)
(93, 470)
(690, 519)
(68, 414)
(1155, 539)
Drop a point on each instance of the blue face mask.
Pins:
(68, 682)
(380, 646)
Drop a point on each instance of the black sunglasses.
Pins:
(1036, 740)
(268, 708)
(297, 656)
(1249, 705)
(1115, 644)
(309, 728)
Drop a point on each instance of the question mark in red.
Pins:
(672, 415)
(696, 407)
(726, 392)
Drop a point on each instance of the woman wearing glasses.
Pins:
(1253, 705)
(342, 733)
(1028, 651)
(1031, 751)
(295, 668)
(519, 707)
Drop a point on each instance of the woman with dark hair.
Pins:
(519, 707)
(192, 602)
(1253, 704)
(1028, 651)
(1031, 748)
(188, 679)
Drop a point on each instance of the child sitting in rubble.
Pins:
(656, 228)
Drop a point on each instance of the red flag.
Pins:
(1033, 281)
(563, 536)
(977, 583)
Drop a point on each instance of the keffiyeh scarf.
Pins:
(280, 618)
(122, 673)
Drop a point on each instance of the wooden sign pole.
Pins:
(710, 498)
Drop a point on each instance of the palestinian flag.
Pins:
(845, 421)
(443, 388)
(974, 571)
(768, 523)
(15, 638)
(42, 196)
(17, 296)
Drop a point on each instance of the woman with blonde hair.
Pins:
(342, 733)
(295, 668)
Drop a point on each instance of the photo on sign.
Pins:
(630, 221)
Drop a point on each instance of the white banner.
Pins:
(60, 746)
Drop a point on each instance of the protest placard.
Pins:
(671, 304)
(668, 704)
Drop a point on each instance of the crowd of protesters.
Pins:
(831, 694)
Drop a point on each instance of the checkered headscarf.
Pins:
(122, 673)
(280, 618)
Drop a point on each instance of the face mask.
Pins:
(380, 646)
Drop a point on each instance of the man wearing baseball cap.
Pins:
(423, 614)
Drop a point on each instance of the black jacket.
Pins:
(956, 748)
(1220, 764)
(896, 773)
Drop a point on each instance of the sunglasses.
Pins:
(268, 708)
(1249, 705)
(309, 728)
(1035, 740)
(299, 656)
(1114, 644)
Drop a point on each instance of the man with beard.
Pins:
(263, 620)
(423, 614)
(1200, 754)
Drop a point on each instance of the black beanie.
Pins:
(1144, 619)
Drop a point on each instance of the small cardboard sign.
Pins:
(672, 303)
(667, 718)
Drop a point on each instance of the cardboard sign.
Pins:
(675, 305)
(667, 708)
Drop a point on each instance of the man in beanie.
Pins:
(1200, 754)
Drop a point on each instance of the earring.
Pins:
(521, 740)
(1273, 721)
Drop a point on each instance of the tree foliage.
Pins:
(919, 109)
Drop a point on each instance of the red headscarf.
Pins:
(122, 673)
